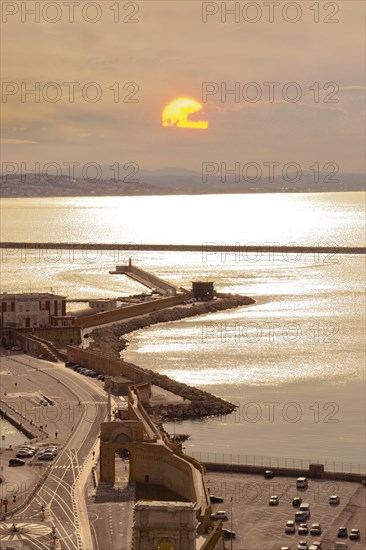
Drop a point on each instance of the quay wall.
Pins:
(119, 314)
(317, 472)
(103, 364)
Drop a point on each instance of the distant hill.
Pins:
(168, 181)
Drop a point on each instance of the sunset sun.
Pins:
(178, 111)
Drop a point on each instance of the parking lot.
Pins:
(260, 526)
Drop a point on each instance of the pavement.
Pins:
(71, 422)
(259, 526)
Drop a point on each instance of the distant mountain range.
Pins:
(130, 180)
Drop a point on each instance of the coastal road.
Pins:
(79, 426)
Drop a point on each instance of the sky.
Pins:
(158, 51)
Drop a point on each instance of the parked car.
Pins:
(340, 546)
(42, 356)
(273, 501)
(220, 514)
(303, 529)
(229, 534)
(30, 447)
(342, 533)
(101, 377)
(268, 474)
(16, 462)
(290, 527)
(302, 482)
(316, 545)
(303, 545)
(69, 364)
(46, 456)
(355, 534)
(305, 507)
(24, 453)
(296, 502)
(315, 530)
(214, 498)
(30, 451)
(52, 449)
(334, 500)
(16, 348)
(300, 517)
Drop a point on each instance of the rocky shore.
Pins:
(197, 403)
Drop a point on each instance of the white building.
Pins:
(39, 309)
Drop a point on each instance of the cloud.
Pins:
(9, 141)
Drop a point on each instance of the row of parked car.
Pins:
(82, 370)
(27, 451)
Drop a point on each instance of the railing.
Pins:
(277, 462)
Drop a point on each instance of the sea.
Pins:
(293, 362)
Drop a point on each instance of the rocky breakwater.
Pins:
(197, 403)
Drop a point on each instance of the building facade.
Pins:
(33, 310)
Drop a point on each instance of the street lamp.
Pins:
(231, 523)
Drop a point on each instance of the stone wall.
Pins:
(106, 365)
(129, 311)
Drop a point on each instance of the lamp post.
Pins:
(231, 523)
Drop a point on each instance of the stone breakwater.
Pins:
(197, 403)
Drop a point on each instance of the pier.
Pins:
(149, 280)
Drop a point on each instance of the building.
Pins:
(103, 304)
(35, 309)
(202, 290)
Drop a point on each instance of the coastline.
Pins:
(197, 403)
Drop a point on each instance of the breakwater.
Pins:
(197, 403)
(204, 248)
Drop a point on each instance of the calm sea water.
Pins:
(293, 362)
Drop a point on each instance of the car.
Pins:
(46, 456)
(302, 482)
(303, 529)
(16, 348)
(285, 548)
(340, 546)
(268, 474)
(69, 364)
(303, 545)
(30, 451)
(101, 377)
(305, 507)
(273, 501)
(315, 545)
(16, 462)
(315, 530)
(300, 517)
(214, 498)
(355, 534)
(342, 533)
(52, 450)
(296, 502)
(42, 356)
(30, 447)
(334, 500)
(229, 534)
(290, 527)
(24, 453)
(220, 514)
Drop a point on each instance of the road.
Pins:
(78, 425)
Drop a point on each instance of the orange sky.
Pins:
(169, 52)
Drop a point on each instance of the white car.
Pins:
(303, 545)
(290, 527)
(302, 482)
(220, 515)
(315, 530)
(334, 500)
(303, 529)
(16, 348)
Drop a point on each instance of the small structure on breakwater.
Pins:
(203, 291)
